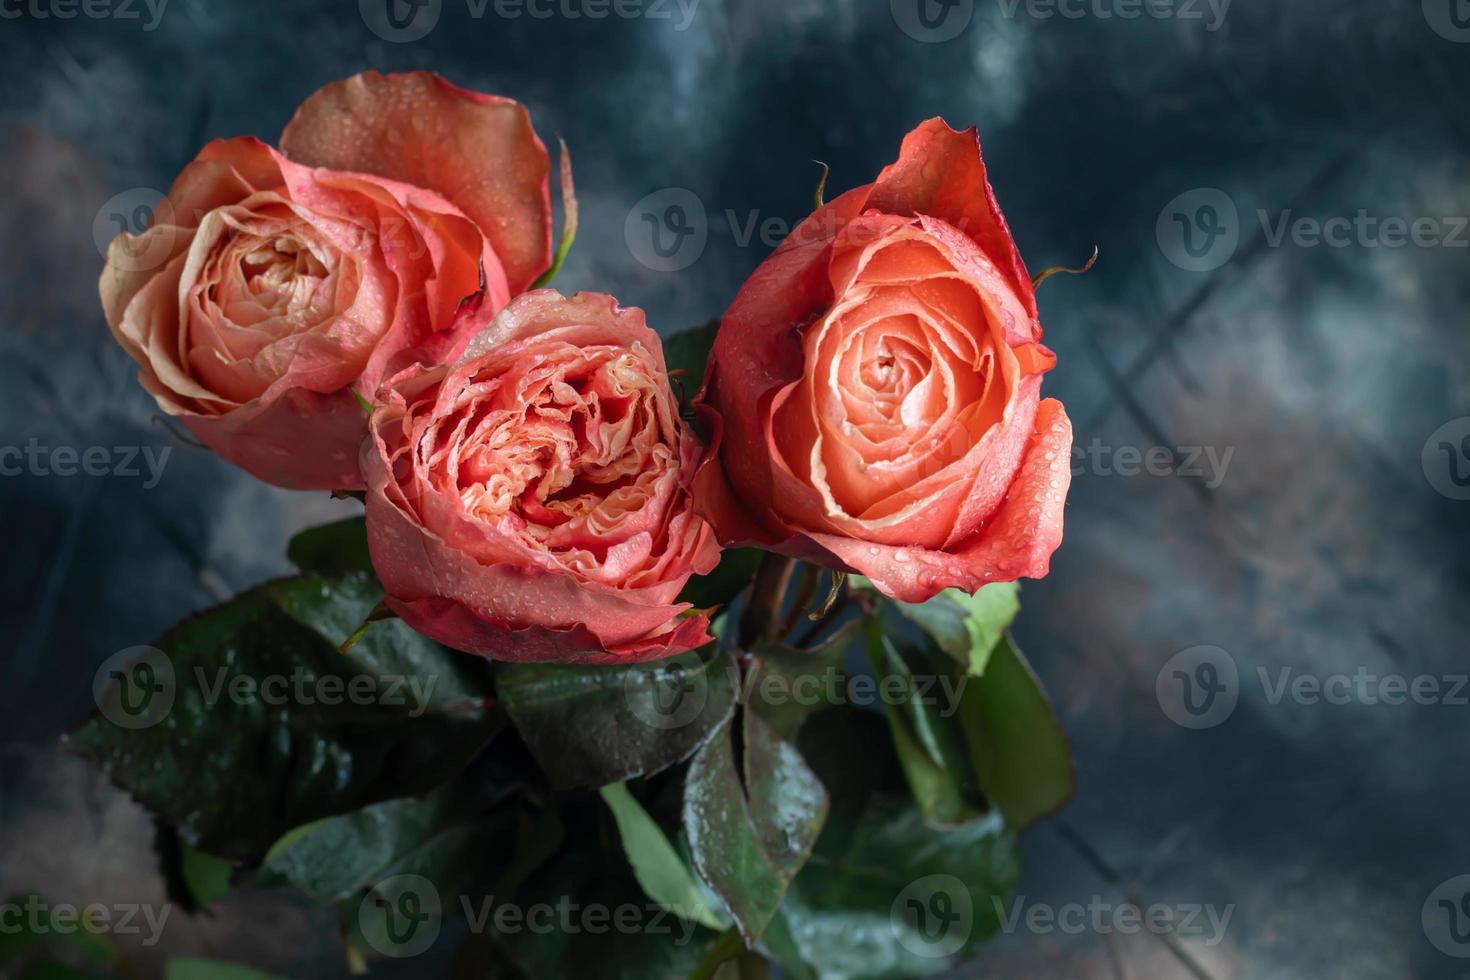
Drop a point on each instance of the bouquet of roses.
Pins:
(610, 677)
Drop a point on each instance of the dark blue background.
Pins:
(1324, 549)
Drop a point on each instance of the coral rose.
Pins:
(269, 292)
(532, 502)
(874, 390)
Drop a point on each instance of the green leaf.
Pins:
(591, 726)
(1020, 749)
(928, 733)
(720, 587)
(207, 876)
(656, 864)
(201, 969)
(587, 878)
(748, 840)
(332, 548)
(967, 627)
(687, 352)
(253, 723)
(986, 741)
(725, 949)
(785, 685)
(442, 837)
(885, 894)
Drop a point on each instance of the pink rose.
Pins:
(532, 501)
(271, 291)
(875, 388)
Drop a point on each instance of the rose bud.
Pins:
(874, 390)
(533, 501)
(268, 295)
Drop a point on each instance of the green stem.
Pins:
(761, 620)
(726, 948)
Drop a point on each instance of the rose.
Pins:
(532, 502)
(874, 390)
(270, 294)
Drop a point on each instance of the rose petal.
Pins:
(1017, 543)
(478, 151)
(458, 627)
(940, 172)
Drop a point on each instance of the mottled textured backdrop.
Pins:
(1304, 515)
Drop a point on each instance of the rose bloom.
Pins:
(874, 390)
(532, 502)
(269, 291)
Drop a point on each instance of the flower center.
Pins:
(574, 448)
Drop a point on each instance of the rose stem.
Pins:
(761, 619)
